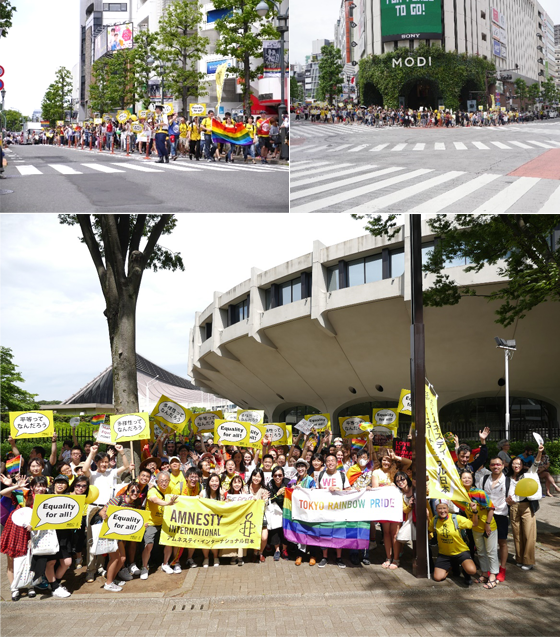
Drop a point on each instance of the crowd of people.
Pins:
(471, 537)
(170, 137)
(378, 116)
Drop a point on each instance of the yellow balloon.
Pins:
(526, 487)
(92, 495)
(133, 117)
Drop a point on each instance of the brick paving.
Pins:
(279, 599)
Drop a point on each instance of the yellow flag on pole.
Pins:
(220, 78)
(443, 478)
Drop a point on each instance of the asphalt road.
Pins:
(53, 179)
(359, 169)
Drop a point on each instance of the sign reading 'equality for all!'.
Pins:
(410, 20)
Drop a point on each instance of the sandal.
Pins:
(394, 565)
(490, 584)
(386, 564)
(482, 579)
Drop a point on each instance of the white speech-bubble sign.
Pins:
(125, 522)
(352, 425)
(30, 423)
(406, 402)
(128, 425)
(385, 417)
(255, 435)
(253, 417)
(172, 412)
(204, 422)
(230, 432)
(274, 432)
(318, 421)
(57, 510)
(538, 438)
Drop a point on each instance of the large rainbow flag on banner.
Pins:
(336, 535)
(228, 135)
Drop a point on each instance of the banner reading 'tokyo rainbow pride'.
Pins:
(203, 523)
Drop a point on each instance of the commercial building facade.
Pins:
(329, 332)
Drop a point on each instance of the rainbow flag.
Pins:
(358, 443)
(97, 419)
(340, 466)
(228, 135)
(480, 497)
(337, 535)
(13, 465)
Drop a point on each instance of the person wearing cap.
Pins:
(206, 128)
(152, 464)
(303, 481)
(162, 135)
(177, 479)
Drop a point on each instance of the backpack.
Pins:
(320, 477)
(508, 483)
(456, 523)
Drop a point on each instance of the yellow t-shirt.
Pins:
(155, 511)
(195, 132)
(449, 539)
(175, 482)
(482, 518)
(207, 123)
(384, 479)
(182, 131)
(251, 128)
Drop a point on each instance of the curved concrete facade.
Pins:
(337, 347)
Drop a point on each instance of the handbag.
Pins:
(407, 532)
(101, 546)
(23, 575)
(273, 515)
(44, 542)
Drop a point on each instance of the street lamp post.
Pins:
(2, 126)
(509, 347)
(150, 62)
(262, 9)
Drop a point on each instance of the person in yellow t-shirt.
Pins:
(176, 479)
(206, 128)
(250, 150)
(183, 137)
(453, 552)
(154, 506)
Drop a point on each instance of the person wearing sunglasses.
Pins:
(277, 488)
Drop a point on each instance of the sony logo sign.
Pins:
(419, 61)
(409, 36)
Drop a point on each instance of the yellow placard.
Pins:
(321, 422)
(122, 116)
(350, 426)
(279, 433)
(106, 117)
(197, 110)
(204, 422)
(385, 423)
(443, 478)
(236, 432)
(209, 524)
(57, 511)
(31, 424)
(253, 416)
(220, 77)
(124, 523)
(134, 118)
(405, 402)
(60, 122)
(481, 108)
(170, 413)
(168, 109)
(125, 427)
(143, 114)
(98, 120)
(137, 128)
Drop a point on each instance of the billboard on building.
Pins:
(271, 58)
(119, 37)
(211, 67)
(100, 45)
(410, 20)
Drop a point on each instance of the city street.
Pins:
(60, 179)
(360, 169)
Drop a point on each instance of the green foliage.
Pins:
(58, 97)
(522, 94)
(180, 47)
(451, 71)
(113, 83)
(6, 15)
(99, 88)
(296, 90)
(519, 244)
(14, 120)
(242, 32)
(144, 49)
(533, 92)
(549, 91)
(330, 73)
(13, 397)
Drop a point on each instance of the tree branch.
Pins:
(136, 272)
(112, 248)
(137, 232)
(93, 247)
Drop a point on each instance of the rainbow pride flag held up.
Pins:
(339, 466)
(13, 465)
(228, 135)
(95, 420)
(480, 497)
(358, 443)
(336, 535)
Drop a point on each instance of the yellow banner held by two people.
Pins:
(209, 524)
(57, 511)
(444, 481)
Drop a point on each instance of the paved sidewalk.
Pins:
(278, 598)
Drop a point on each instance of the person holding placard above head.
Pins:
(524, 504)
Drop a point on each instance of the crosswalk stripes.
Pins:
(439, 146)
(358, 148)
(297, 167)
(521, 144)
(143, 169)
(28, 170)
(452, 196)
(459, 145)
(481, 145)
(315, 170)
(552, 205)
(65, 169)
(399, 147)
(102, 168)
(419, 146)
(338, 148)
(339, 173)
(503, 200)
(378, 147)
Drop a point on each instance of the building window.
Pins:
(115, 6)
(217, 14)
(483, 35)
(483, 15)
(206, 331)
(332, 278)
(293, 415)
(365, 270)
(289, 291)
(397, 262)
(238, 312)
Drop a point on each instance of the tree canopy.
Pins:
(58, 97)
(330, 73)
(521, 246)
(6, 16)
(13, 397)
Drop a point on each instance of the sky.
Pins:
(45, 35)
(51, 304)
(304, 28)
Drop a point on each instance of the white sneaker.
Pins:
(177, 568)
(61, 592)
(144, 573)
(134, 570)
(112, 587)
(166, 569)
(205, 563)
(216, 563)
(526, 568)
(121, 584)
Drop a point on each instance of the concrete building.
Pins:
(557, 52)
(312, 68)
(545, 45)
(329, 332)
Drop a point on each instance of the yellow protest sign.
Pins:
(350, 426)
(405, 402)
(279, 433)
(385, 425)
(168, 109)
(97, 120)
(204, 422)
(123, 523)
(444, 481)
(57, 511)
(197, 110)
(137, 128)
(170, 413)
(60, 122)
(106, 117)
(321, 422)
(31, 424)
(143, 114)
(209, 524)
(220, 76)
(236, 432)
(122, 116)
(125, 427)
(254, 416)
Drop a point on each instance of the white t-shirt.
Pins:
(267, 477)
(336, 481)
(498, 493)
(106, 483)
(290, 472)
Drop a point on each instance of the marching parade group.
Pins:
(471, 538)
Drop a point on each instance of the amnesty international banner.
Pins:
(208, 524)
(444, 480)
